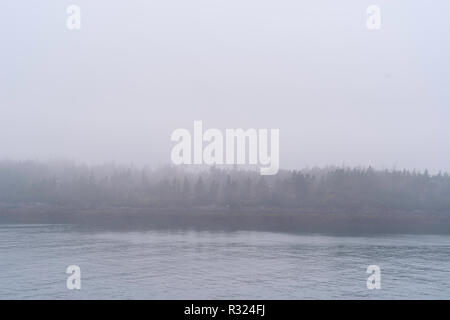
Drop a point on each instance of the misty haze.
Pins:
(225, 149)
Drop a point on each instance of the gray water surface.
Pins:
(218, 265)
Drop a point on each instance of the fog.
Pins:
(137, 70)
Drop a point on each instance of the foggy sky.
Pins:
(137, 70)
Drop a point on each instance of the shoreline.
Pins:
(239, 219)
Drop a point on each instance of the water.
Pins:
(218, 265)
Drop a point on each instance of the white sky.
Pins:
(137, 70)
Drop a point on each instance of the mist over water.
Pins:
(359, 133)
(220, 265)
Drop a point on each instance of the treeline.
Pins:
(69, 184)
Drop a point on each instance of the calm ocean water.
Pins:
(218, 265)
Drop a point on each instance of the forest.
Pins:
(65, 183)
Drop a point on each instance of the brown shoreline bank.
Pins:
(214, 219)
